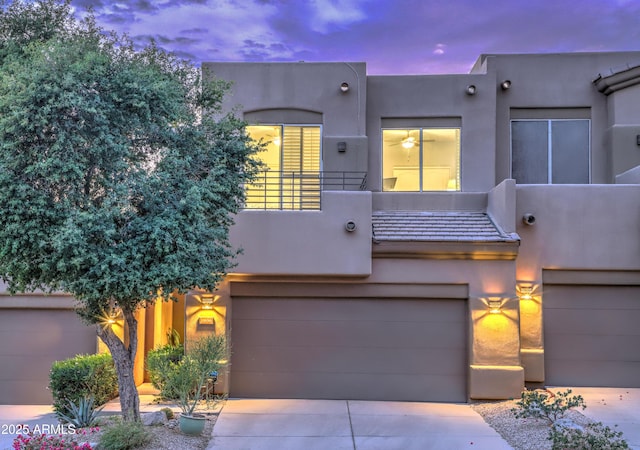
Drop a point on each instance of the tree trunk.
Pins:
(123, 358)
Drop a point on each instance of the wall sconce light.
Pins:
(525, 292)
(344, 87)
(111, 317)
(471, 89)
(342, 147)
(506, 84)
(495, 306)
(207, 300)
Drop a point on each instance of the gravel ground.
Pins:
(521, 434)
(167, 436)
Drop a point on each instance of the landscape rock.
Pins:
(153, 418)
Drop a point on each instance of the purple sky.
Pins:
(391, 36)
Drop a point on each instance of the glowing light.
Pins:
(109, 318)
(525, 292)
(408, 142)
(495, 306)
(207, 300)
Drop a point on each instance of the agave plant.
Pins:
(82, 415)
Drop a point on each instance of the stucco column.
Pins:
(494, 318)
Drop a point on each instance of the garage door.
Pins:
(365, 349)
(30, 341)
(592, 335)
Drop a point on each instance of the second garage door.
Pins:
(366, 349)
(592, 336)
(32, 340)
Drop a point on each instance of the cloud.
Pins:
(403, 36)
(439, 50)
(326, 14)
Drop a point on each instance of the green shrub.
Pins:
(546, 406)
(82, 376)
(124, 436)
(162, 362)
(595, 436)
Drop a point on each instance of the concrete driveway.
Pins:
(340, 424)
(613, 406)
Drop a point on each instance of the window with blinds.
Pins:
(292, 159)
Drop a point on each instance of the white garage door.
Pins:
(592, 335)
(337, 348)
(30, 341)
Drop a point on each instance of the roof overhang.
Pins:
(608, 84)
(506, 251)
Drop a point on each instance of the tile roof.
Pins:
(437, 226)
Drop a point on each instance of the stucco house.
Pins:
(427, 237)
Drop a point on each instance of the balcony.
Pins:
(301, 191)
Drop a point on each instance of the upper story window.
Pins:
(421, 159)
(550, 151)
(292, 159)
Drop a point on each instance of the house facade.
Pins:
(436, 237)
(426, 238)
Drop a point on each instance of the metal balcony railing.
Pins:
(288, 190)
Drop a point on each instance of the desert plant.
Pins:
(124, 436)
(161, 363)
(594, 436)
(173, 337)
(83, 414)
(547, 406)
(205, 356)
(168, 412)
(83, 375)
(47, 442)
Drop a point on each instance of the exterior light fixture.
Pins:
(109, 318)
(471, 89)
(525, 292)
(506, 84)
(344, 87)
(528, 219)
(495, 306)
(207, 300)
(350, 226)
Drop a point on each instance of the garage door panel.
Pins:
(594, 348)
(353, 386)
(592, 297)
(589, 373)
(347, 360)
(350, 309)
(596, 321)
(374, 349)
(591, 335)
(23, 367)
(356, 332)
(18, 391)
(32, 340)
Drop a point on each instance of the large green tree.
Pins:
(119, 176)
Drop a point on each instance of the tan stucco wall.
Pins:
(579, 227)
(307, 242)
(437, 97)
